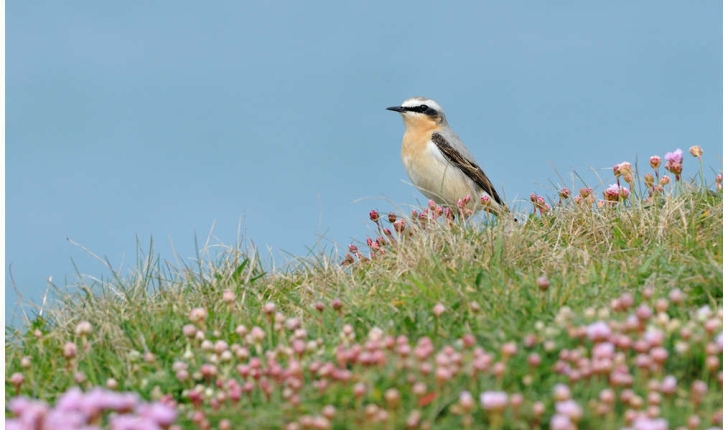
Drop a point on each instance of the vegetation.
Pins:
(588, 314)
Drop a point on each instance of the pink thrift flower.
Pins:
(543, 283)
(99, 399)
(673, 162)
(67, 420)
(611, 194)
(466, 400)
(570, 409)
(132, 422)
(674, 157)
(614, 193)
(622, 169)
(160, 413)
(643, 312)
(646, 423)
(669, 385)
(84, 328)
(655, 162)
(560, 422)
(561, 392)
(438, 310)
(493, 400)
(654, 337)
(198, 315)
(598, 331)
(603, 350)
(30, 413)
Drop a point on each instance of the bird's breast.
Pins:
(431, 173)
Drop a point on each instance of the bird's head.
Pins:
(418, 111)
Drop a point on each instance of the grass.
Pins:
(579, 317)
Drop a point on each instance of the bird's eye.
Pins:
(423, 108)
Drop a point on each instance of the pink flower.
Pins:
(669, 385)
(70, 400)
(570, 409)
(674, 163)
(160, 413)
(84, 328)
(622, 169)
(614, 193)
(228, 296)
(655, 162)
(466, 400)
(560, 422)
(646, 423)
(438, 309)
(269, 308)
(493, 400)
(603, 350)
(598, 331)
(674, 157)
(198, 315)
(29, 411)
(69, 350)
(654, 337)
(98, 399)
(374, 215)
(561, 392)
(643, 312)
(509, 349)
(17, 379)
(131, 422)
(696, 151)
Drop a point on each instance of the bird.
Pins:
(438, 163)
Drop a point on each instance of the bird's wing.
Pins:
(470, 168)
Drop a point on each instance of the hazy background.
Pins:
(158, 119)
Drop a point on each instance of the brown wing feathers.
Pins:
(472, 170)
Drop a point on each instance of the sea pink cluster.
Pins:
(539, 204)
(626, 352)
(77, 410)
(674, 163)
(615, 193)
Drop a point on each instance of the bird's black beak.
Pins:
(396, 108)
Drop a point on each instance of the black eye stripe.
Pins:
(423, 109)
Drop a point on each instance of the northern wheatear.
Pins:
(437, 162)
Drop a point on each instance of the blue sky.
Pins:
(158, 119)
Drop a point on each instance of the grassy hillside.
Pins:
(590, 313)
